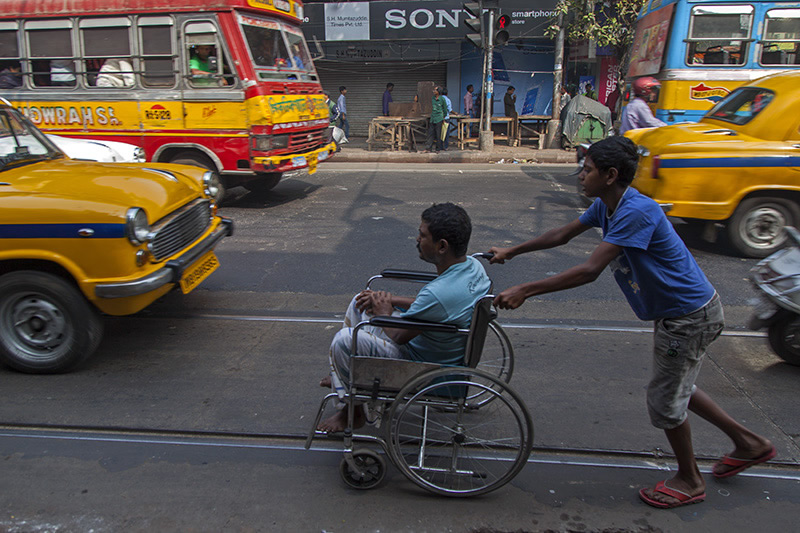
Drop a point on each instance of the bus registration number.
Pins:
(197, 272)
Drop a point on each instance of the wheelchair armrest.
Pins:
(411, 275)
(405, 323)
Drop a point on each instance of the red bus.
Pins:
(228, 85)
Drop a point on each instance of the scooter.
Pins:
(777, 280)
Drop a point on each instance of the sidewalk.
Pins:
(357, 151)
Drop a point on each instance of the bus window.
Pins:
(206, 64)
(10, 65)
(718, 35)
(781, 38)
(107, 52)
(157, 55)
(298, 51)
(267, 47)
(50, 49)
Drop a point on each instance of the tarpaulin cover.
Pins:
(577, 111)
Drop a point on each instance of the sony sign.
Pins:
(423, 19)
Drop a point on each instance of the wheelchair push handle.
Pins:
(483, 255)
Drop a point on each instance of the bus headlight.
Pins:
(211, 184)
(262, 143)
(136, 225)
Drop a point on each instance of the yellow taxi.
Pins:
(79, 238)
(738, 168)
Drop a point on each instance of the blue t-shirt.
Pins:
(655, 270)
(449, 298)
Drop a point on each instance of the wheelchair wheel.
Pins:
(497, 360)
(446, 446)
(372, 465)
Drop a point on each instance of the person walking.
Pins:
(341, 103)
(469, 107)
(662, 282)
(446, 125)
(387, 98)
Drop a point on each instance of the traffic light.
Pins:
(473, 22)
(501, 30)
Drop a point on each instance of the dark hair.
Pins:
(342, 88)
(443, 91)
(470, 87)
(389, 85)
(615, 152)
(449, 222)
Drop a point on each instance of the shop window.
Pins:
(719, 35)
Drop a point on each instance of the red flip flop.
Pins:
(741, 464)
(682, 497)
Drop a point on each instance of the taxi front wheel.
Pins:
(756, 227)
(46, 325)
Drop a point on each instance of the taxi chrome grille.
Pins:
(180, 228)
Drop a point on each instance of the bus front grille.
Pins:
(180, 228)
(305, 141)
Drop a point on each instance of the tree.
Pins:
(606, 22)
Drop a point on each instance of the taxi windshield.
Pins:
(742, 105)
(21, 143)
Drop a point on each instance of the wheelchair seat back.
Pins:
(482, 314)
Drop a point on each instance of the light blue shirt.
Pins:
(341, 104)
(449, 298)
(449, 106)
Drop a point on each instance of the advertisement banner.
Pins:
(609, 74)
(650, 41)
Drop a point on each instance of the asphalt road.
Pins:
(191, 413)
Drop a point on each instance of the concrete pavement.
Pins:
(357, 150)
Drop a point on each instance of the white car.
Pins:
(102, 151)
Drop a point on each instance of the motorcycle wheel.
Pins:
(784, 338)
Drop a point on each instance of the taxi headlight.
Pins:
(211, 184)
(136, 225)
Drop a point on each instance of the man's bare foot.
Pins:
(338, 422)
(325, 382)
(685, 490)
(742, 458)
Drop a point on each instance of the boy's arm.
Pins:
(573, 277)
(550, 239)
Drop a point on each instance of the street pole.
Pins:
(553, 137)
(486, 138)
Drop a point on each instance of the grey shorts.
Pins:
(679, 345)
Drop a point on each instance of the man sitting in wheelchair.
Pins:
(461, 281)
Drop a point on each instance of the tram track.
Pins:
(587, 327)
(289, 442)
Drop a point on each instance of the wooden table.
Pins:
(463, 130)
(396, 133)
(534, 127)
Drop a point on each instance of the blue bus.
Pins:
(700, 50)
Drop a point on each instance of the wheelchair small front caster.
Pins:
(372, 466)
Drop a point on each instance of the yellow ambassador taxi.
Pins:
(78, 238)
(739, 167)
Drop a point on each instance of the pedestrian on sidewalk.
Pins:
(510, 108)
(341, 103)
(446, 126)
(438, 112)
(469, 106)
(387, 98)
(662, 282)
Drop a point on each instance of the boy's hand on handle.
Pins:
(499, 255)
(510, 298)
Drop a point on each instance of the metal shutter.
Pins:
(366, 83)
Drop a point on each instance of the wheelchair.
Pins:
(452, 430)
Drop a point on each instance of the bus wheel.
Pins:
(198, 160)
(265, 181)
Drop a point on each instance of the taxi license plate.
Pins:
(312, 164)
(197, 272)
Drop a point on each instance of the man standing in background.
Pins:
(387, 98)
(469, 107)
(342, 104)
